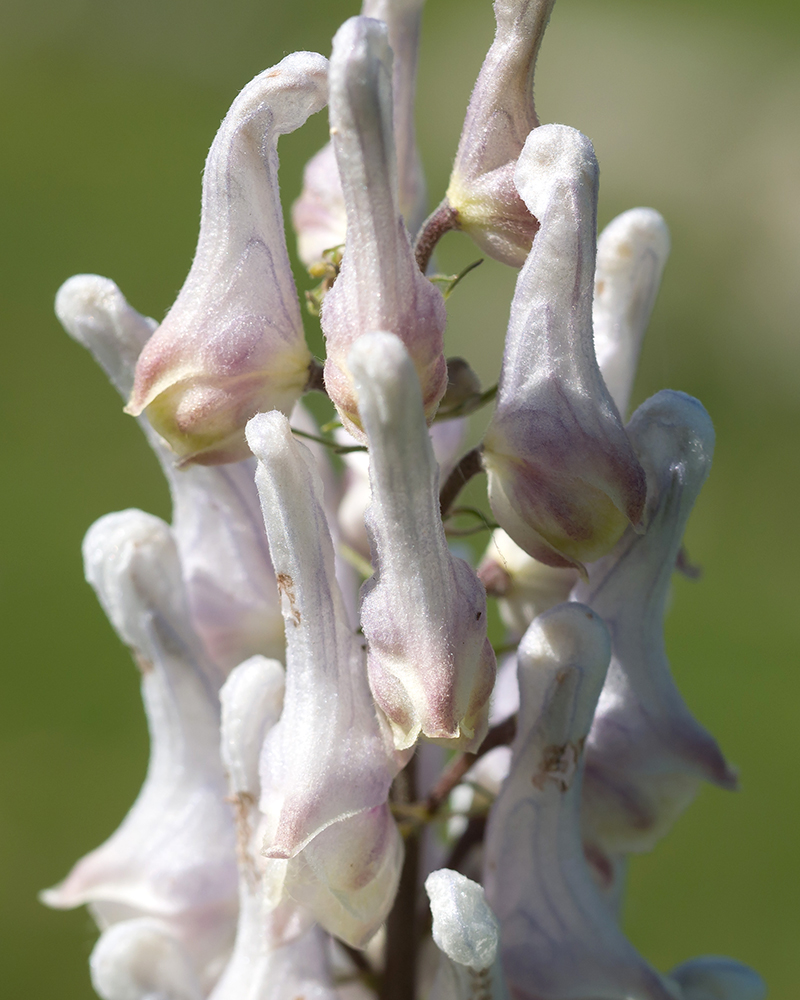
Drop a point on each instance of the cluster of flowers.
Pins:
(319, 754)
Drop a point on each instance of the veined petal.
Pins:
(327, 758)
(173, 857)
(319, 216)
(558, 939)
(646, 753)
(563, 478)
(225, 563)
(380, 286)
(499, 118)
(233, 342)
(523, 586)
(631, 254)
(431, 666)
(140, 960)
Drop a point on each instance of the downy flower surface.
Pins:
(312, 635)
(563, 478)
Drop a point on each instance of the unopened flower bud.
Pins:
(499, 118)
(563, 478)
(431, 665)
(233, 342)
(380, 286)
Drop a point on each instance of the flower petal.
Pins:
(227, 572)
(173, 856)
(380, 286)
(712, 978)
(431, 666)
(558, 938)
(327, 758)
(233, 342)
(563, 478)
(646, 753)
(631, 254)
(140, 960)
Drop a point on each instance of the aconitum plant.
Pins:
(351, 791)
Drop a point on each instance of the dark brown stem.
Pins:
(498, 736)
(471, 837)
(399, 975)
(439, 222)
(469, 466)
(316, 382)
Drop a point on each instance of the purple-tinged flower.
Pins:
(217, 525)
(563, 479)
(233, 342)
(173, 857)
(631, 253)
(318, 216)
(646, 754)
(380, 286)
(501, 114)
(558, 937)
(431, 666)
(715, 978)
(327, 765)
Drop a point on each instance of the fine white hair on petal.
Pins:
(140, 960)
(646, 754)
(558, 938)
(379, 286)
(328, 706)
(423, 612)
(95, 313)
(464, 927)
(563, 479)
(631, 253)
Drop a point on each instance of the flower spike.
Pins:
(233, 342)
(225, 564)
(318, 216)
(631, 253)
(646, 753)
(558, 939)
(563, 479)
(499, 118)
(431, 666)
(173, 857)
(380, 286)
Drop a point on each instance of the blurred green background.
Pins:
(107, 109)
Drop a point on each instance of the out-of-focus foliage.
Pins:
(106, 113)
